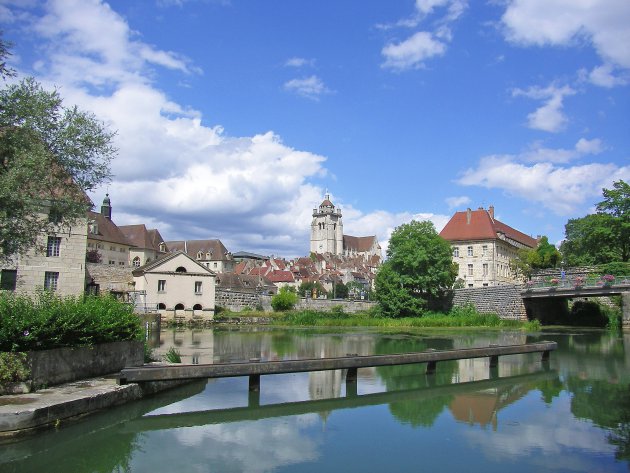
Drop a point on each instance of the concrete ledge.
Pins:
(27, 413)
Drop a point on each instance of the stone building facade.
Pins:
(57, 263)
(483, 247)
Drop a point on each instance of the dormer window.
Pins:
(162, 247)
(93, 227)
(208, 255)
(199, 255)
(180, 269)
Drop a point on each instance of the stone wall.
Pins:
(237, 301)
(110, 278)
(505, 300)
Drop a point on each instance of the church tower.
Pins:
(327, 229)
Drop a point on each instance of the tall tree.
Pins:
(603, 237)
(418, 269)
(50, 156)
(616, 204)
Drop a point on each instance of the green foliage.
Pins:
(13, 367)
(589, 314)
(284, 300)
(603, 237)
(340, 291)
(49, 156)
(616, 268)
(306, 289)
(149, 356)
(419, 269)
(48, 321)
(545, 255)
(173, 355)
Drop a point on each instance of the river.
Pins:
(570, 415)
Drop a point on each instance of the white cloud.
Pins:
(538, 153)
(549, 117)
(455, 202)
(311, 87)
(560, 189)
(604, 76)
(593, 146)
(413, 51)
(299, 62)
(603, 23)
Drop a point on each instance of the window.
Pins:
(121, 263)
(456, 252)
(215, 265)
(8, 279)
(199, 255)
(470, 251)
(485, 269)
(50, 280)
(161, 306)
(52, 248)
(161, 285)
(136, 262)
(112, 248)
(181, 269)
(197, 287)
(470, 285)
(485, 284)
(111, 261)
(470, 270)
(484, 250)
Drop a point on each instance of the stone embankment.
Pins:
(505, 301)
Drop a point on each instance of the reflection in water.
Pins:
(532, 418)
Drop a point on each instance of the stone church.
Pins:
(327, 235)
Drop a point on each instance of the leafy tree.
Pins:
(418, 269)
(49, 156)
(545, 255)
(306, 288)
(284, 300)
(340, 291)
(4, 54)
(616, 204)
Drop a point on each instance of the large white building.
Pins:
(483, 247)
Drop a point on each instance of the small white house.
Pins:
(177, 286)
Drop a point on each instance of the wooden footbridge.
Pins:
(255, 368)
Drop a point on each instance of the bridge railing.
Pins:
(579, 282)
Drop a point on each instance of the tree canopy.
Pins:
(545, 255)
(418, 269)
(50, 155)
(603, 237)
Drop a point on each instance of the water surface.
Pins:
(571, 415)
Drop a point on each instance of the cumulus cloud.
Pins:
(550, 116)
(539, 153)
(412, 52)
(455, 202)
(603, 23)
(311, 87)
(604, 76)
(560, 189)
(299, 62)
(175, 172)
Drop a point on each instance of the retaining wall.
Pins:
(505, 301)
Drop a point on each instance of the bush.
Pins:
(284, 300)
(48, 321)
(13, 368)
(173, 355)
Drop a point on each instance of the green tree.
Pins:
(545, 255)
(340, 291)
(284, 300)
(50, 156)
(616, 205)
(603, 237)
(418, 269)
(4, 55)
(306, 289)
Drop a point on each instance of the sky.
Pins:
(234, 118)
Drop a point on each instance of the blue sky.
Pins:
(234, 117)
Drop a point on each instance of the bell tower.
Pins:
(327, 229)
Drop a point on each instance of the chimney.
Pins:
(491, 211)
(468, 215)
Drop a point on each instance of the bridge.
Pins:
(552, 295)
(255, 368)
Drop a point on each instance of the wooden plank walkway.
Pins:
(255, 368)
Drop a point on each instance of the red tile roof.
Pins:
(106, 230)
(281, 276)
(359, 244)
(141, 237)
(479, 225)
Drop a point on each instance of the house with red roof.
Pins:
(483, 247)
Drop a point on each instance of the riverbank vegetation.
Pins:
(463, 316)
(47, 321)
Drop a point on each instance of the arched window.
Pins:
(197, 307)
(181, 269)
(199, 255)
(179, 306)
(136, 262)
(208, 255)
(161, 306)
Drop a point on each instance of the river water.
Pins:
(570, 415)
